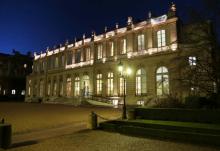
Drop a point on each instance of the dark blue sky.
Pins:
(32, 25)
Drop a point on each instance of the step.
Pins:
(173, 125)
(161, 132)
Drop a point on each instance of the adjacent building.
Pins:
(13, 71)
(88, 68)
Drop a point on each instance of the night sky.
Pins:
(32, 25)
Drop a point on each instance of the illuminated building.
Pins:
(87, 69)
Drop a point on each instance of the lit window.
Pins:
(43, 65)
(122, 85)
(100, 51)
(161, 38)
(78, 56)
(88, 54)
(69, 58)
(214, 87)
(141, 43)
(35, 89)
(68, 87)
(62, 60)
(77, 86)
(86, 85)
(48, 88)
(41, 88)
(192, 61)
(123, 46)
(13, 92)
(110, 83)
(29, 87)
(111, 46)
(56, 62)
(61, 87)
(23, 92)
(99, 84)
(162, 79)
(141, 82)
(141, 102)
(54, 88)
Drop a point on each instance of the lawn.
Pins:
(26, 117)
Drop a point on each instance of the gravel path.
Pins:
(105, 141)
(49, 133)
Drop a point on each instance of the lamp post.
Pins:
(124, 73)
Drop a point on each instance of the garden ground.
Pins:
(35, 118)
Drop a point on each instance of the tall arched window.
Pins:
(122, 86)
(141, 82)
(77, 86)
(99, 84)
(48, 88)
(86, 85)
(54, 88)
(41, 88)
(29, 87)
(68, 86)
(110, 83)
(61, 87)
(162, 78)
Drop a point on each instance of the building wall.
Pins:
(150, 59)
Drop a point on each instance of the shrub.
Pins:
(214, 100)
(197, 102)
(168, 102)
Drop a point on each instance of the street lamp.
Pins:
(124, 73)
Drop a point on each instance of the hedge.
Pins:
(184, 115)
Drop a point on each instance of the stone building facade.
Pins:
(88, 69)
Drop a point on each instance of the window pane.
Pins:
(162, 80)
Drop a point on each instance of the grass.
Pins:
(26, 117)
(180, 124)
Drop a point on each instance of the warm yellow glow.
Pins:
(174, 47)
(120, 68)
(129, 71)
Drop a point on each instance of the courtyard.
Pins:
(60, 127)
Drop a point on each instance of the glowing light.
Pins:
(56, 51)
(159, 20)
(69, 46)
(120, 67)
(129, 71)
(62, 48)
(104, 60)
(115, 102)
(129, 54)
(174, 47)
(81, 64)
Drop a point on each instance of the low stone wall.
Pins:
(185, 115)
